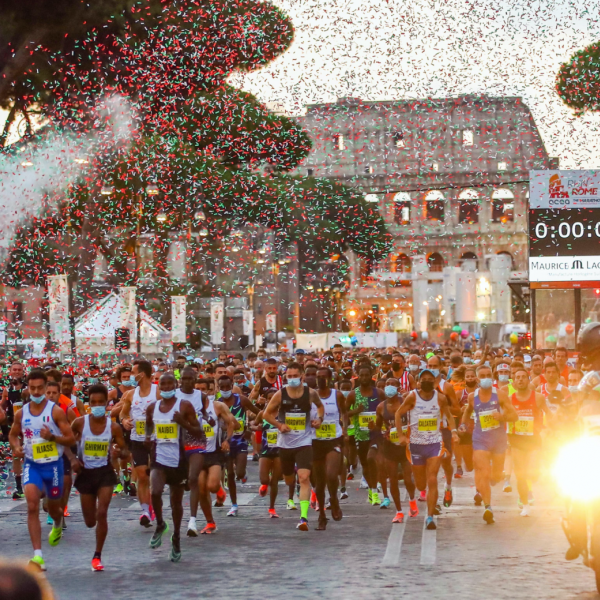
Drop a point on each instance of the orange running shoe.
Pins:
(97, 565)
(414, 509)
(313, 500)
(399, 518)
(221, 497)
(66, 512)
(262, 490)
(209, 528)
(273, 514)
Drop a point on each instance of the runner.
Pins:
(327, 446)
(45, 431)
(94, 434)
(133, 418)
(524, 435)
(552, 385)
(394, 448)
(349, 447)
(464, 449)
(405, 380)
(491, 408)
(425, 408)
(289, 410)
(165, 419)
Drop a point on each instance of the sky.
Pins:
(397, 49)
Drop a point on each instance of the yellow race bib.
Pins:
(140, 427)
(208, 430)
(326, 431)
(271, 438)
(488, 421)
(167, 432)
(524, 426)
(365, 418)
(95, 449)
(44, 451)
(242, 424)
(427, 424)
(394, 436)
(296, 422)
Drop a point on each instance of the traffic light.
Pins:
(122, 338)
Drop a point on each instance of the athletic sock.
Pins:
(37, 553)
(97, 555)
(145, 508)
(18, 482)
(304, 504)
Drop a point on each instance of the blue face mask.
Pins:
(226, 394)
(37, 399)
(294, 382)
(345, 393)
(132, 381)
(167, 395)
(390, 391)
(467, 360)
(485, 383)
(436, 372)
(503, 377)
(98, 411)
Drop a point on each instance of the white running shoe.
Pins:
(192, 530)
(526, 512)
(363, 484)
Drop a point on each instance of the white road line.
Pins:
(428, 544)
(394, 546)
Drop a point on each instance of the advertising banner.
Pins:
(178, 319)
(58, 310)
(217, 329)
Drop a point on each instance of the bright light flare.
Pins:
(577, 469)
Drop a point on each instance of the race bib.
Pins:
(208, 430)
(272, 438)
(44, 451)
(351, 429)
(95, 449)
(326, 431)
(365, 418)
(242, 424)
(427, 424)
(524, 426)
(394, 436)
(488, 421)
(140, 427)
(167, 432)
(295, 421)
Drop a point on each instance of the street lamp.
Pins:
(161, 217)
(203, 232)
(107, 190)
(200, 216)
(152, 189)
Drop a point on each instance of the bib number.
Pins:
(44, 451)
(488, 421)
(208, 430)
(394, 436)
(326, 431)
(272, 439)
(427, 424)
(167, 433)
(93, 449)
(364, 419)
(140, 427)
(242, 424)
(295, 422)
(524, 426)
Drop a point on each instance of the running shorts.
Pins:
(173, 475)
(237, 445)
(419, 453)
(394, 452)
(140, 454)
(301, 457)
(494, 441)
(321, 448)
(48, 478)
(213, 459)
(89, 481)
(525, 443)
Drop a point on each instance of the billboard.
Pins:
(564, 226)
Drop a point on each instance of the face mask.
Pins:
(226, 394)
(485, 383)
(294, 382)
(37, 399)
(503, 378)
(167, 395)
(98, 411)
(93, 380)
(396, 366)
(390, 391)
(573, 389)
(487, 363)
(467, 360)
(155, 367)
(345, 393)
(413, 368)
(252, 370)
(436, 372)
(211, 397)
(427, 386)
(132, 381)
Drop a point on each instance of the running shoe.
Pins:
(350, 475)
(118, 489)
(175, 555)
(448, 497)
(262, 490)
(244, 478)
(414, 509)
(209, 528)
(49, 520)
(385, 503)
(192, 530)
(303, 525)
(477, 499)
(156, 540)
(525, 512)
(328, 504)
(343, 494)
(145, 520)
(430, 523)
(363, 484)
(151, 513)
(507, 488)
(18, 494)
(233, 511)
(291, 505)
(97, 565)
(437, 510)
(488, 516)
(221, 497)
(38, 561)
(370, 497)
(255, 458)
(273, 514)
(375, 501)
(399, 518)
(530, 498)
(132, 491)
(66, 512)
(313, 500)
(423, 496)
(459, 473)
(55, 535)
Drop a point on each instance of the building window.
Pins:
(433, 206)
(340, 142)
(398, 137)
(310, 172)
(435, 262)
(469, 256)
(435, 167)
(467, 137)
(503, 206)
(369, 170)
(468, 207)
(401, 208)
(502, 166)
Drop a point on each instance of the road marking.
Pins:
(394, 545)
(428, 544)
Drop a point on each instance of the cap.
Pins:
(300, 351)
(427, 371)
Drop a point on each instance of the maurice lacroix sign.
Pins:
(564, 226)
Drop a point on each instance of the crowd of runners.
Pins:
(314, 419)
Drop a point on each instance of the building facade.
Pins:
(451, 178)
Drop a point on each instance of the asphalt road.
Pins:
(363, 556)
